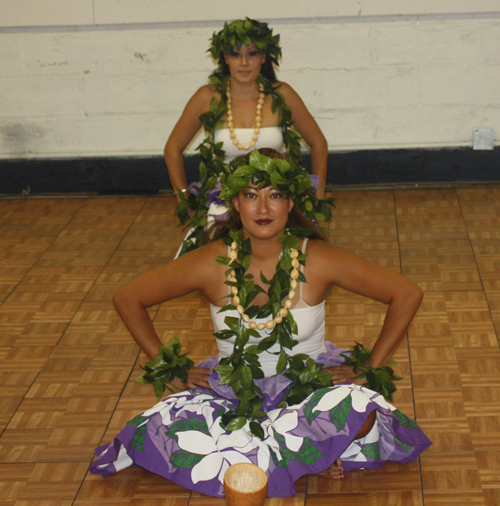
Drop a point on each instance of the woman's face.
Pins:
(245, 63)
(264, 212)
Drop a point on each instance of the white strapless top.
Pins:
(310, 323)
(311, 338)
(269, 137)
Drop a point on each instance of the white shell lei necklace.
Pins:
(258, 118)
(283, 312)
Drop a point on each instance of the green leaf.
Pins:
(308, 453)
(380, 380)
(406, 447)
(291, 321)
(297, 394)
(246, 376)
(340, 413)
(257, 372)
(224, 334)
(184, 459)
(371, 451)
(267, 342)
(186, 425)
(237, 423)
(244, 336)
(264, 279)
(251, 350)
(227, 307)
(286, 264)
(301, 356)
(309, 372)
(165, 367)
(312, 403)
(296, 363)
(282, 362)
(142, 380)
(257, 430)
(223, 368)
(233, 323)
(404, 420)
(325, 378)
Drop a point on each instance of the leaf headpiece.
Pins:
(246, 32)
(283, 175)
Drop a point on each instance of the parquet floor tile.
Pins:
(450, 471)
(474, 497)
(406, 498)
(68, 365)
(43, 503)
(165, 501)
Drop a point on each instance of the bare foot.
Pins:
(334, 472)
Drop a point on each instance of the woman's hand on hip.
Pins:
(197, 377)
(344, 374)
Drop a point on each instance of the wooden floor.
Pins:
(67, 364)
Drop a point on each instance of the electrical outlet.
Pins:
(483, 138)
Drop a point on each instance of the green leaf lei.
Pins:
(165, 367)
(243, 366)
(380, 380)
(244, 32)
(283, 175)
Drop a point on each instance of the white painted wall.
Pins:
(111, 77)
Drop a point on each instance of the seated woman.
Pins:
(278, 394)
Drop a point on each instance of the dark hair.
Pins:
(220, 229)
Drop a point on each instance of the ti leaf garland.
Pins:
(380, 380)
(165, 367)
(242, 367)
(245, 32)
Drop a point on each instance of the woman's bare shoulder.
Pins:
(214, 249)
(202, 261)
(209, 91)
(319, 247)
(205, 255)
(284, 88)
(203, 96)
(326, 255)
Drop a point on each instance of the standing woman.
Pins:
(244, 107)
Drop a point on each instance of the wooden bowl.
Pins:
(245, 485)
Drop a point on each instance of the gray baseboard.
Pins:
(148, 175)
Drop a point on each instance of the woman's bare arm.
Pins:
(357, 275)
(310, 131)
(183, 133)
(188, 273)
(192, 271)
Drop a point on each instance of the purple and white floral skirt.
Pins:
(181, 437)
